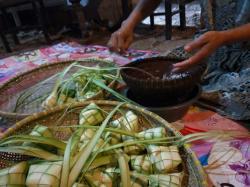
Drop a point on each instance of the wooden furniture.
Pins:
(39, 11)
(168, 16)
(90, 13)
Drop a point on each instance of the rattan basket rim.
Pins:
(44, 66)
(37, 116)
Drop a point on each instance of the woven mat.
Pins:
(226, 163)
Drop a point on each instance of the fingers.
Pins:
(198, 43)
(113, 42)
(195, 59)
(128, 42)
(181, 65)
(120, 42)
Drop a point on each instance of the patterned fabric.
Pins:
(225, 162)
(228, 75)
(9, 67)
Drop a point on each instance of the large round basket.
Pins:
(15, 88)
(69, 114)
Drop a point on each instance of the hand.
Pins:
(121, 39)
(205, 45)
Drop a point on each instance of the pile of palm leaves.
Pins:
(81, 85)
(74, 84)
(106, 148)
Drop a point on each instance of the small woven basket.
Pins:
(69, 115)
(11, 90)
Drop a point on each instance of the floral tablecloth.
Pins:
(226, 163)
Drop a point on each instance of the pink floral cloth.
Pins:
(13, 65)
(226, 163)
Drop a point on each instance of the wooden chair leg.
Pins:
(77, 8)
(5, 43)
(2, 34)
(182, 14)
(152, 21)
(43, 20)
(168, 20)
(15, 38)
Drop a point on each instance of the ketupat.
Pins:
(164, 159)
(80, 185)
(15, 175)
(149, 134)
(40, 130)
(139, 181)
(115, 138)
(87, 135)
(158, 132)
(91, 115)
(128, 122)
(133, 149)
(50, 101)
(105, 178)
(167, 180)
(141, 164)
(116, 123)
(44, 174)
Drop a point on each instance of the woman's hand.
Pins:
(121, 39)
(204, 46)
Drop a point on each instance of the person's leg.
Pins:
(227, 83)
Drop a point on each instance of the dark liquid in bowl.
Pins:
(156, 69)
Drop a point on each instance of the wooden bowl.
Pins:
(163, 84)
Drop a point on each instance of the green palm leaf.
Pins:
(86, 152)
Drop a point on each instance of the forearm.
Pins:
(143, 9)
(237, 34)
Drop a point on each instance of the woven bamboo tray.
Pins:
(11, 90)
(69, 114)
